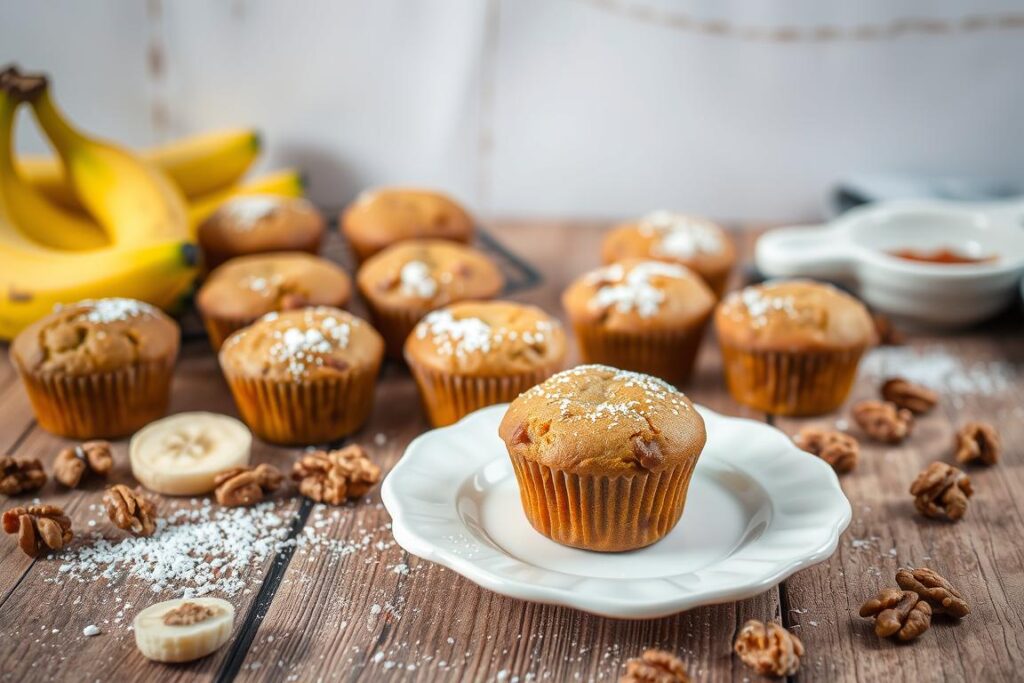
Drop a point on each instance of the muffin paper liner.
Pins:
(608, 514)
(219, 329)
(447, 397)
(668, 354)
(100, 405)
(790, 383)
(395, 324)
(305, 412)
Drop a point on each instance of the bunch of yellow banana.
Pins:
(99, 221)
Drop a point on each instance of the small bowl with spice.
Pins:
(936, 263)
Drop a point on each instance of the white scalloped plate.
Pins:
(758, 510)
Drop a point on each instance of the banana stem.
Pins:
(59, 132)
(8, 106)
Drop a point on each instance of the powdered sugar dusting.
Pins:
(461, 337)
(681, 236)
(938, 368)
(416, 281)
(113, 310)
(247, 210)
(633, 290)
(298, 347)
(760, 305)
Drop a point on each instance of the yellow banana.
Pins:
(198, 165)
(131, 199)
(29, 214)
(34, 280)
(286, 183)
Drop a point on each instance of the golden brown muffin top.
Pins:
(598, 420)
(258, 223)
(427, 272)
(381, 217)
(487, 338)
(794, 315)
(638, 294)
(668, 236)
(247, 287)
(307, 344)
(95, 336)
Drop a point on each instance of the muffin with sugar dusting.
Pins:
(694, 242)
(258, 224)
(388, 215)
(603, 456)
(239, 292)
(408, 280)
(791, 347)
(647, 316)
(477, 353)
(98, 368)
(305, 376)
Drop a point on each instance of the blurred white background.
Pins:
(598, 108)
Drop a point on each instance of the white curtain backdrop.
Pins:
(602, 108)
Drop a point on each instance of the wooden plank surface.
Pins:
(347, 603)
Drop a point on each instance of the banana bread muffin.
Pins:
(305, 376)
(257, 224)
(694, 242)
(408, 280)
(474, 354)
(791, 347)
(603, 456)
(98, 368)
(379, 218)
(248, 287)
(647, 316)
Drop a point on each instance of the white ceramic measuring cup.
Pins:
(855, 249)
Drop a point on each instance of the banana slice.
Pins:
(184, 629)
(180, 455)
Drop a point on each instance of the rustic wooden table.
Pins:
(352, 605)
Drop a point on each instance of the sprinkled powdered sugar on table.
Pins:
(633, 290)
(247, 210)
(416, 281)
(938, 368)
(681, 236)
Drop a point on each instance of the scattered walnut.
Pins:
(941, 490)
(978, 442)
(333, 476)
(905, 394)
(246, 485)
(836, 448)
(769, 649)
(38, 525)
(887, 334)
(883, 421)
(188, 613)
(20, 475)
(655, 666)
(898, 613)
(935, 590)
(130, 510)
(72, 462)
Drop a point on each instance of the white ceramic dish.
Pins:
(758, 510)
(853, 249)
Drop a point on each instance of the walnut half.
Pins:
(655, 666)
(839, 450)
(935, 590)
(900, 613)
(130, 510)
(246, 485)
(38, 526)
(769, 649)
(71, 463)
(332, 476)
(905, 394)
(977, 442)
(20, 475)
(941, 491)
(883, 421)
